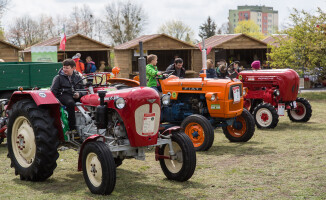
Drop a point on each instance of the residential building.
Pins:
(265, 17)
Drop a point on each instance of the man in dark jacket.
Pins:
(64, 88)
(179, 71)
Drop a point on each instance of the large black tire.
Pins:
(184, 166)
(303, 111)
(265, 116)
(1, 140)
(32, 141)
(242, 129)
(200, 131)
(97, 156)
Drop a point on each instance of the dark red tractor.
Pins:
(112, 124)
(271, 93)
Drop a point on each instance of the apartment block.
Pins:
(265, 17)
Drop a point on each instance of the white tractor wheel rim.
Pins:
(94, 169)
(261, 115)
(23, 142)
(295, 115)
(174, 166)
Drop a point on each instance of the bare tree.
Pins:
(3, 6)
(177, 29)
(24, 32)
(74, 23)
(87, 21)
(124, 21)
(224, 29)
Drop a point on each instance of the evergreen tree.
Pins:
(207, 29)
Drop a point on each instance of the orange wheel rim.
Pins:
(196, 133)
(238, 132)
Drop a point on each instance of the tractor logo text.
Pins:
(110, 98)
(193, 89)
(42, 94)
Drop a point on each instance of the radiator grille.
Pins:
(139, 116)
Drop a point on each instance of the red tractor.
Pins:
(112, 125)
(271, 93)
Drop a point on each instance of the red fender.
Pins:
(88, 140)
(44, 99)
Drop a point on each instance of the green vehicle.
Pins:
(28, 75)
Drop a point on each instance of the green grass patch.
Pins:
(287, 162)
(313, 95)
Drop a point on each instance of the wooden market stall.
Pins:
(9, 52)
(77, 43)
(236, 47)
(162, 45)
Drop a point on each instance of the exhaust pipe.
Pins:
(142, 66)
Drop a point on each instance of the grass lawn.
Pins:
(287, 162)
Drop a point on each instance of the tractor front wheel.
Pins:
(200, 131)
(32, 141)
(242, 129)
(182, 165)
(99, 168)
(265, 116)
(1, 140)
(302, 112)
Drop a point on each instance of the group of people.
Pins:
(64, 85)
(84, 68)
(152, 71)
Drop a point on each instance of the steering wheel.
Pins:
(90, 80)
(166, 74)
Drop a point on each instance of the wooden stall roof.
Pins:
(11, 45)
(234, 41)
(147, 39)
(56, 42)
(272, 40)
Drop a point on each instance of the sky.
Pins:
(192, 12)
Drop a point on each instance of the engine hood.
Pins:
(135, 94)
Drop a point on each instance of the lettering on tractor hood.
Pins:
(193, 89)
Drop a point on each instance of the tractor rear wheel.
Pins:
(200, 131)
(99, 168)
(265, 116)
(302, 112)
(242, 129)
(32, 141)
(183, 166)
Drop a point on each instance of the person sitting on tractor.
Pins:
(64, 89)
(210, 72)
(255, 65)
(179, 71)
(152, 72)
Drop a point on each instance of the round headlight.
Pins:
(213, 97)
(120, 103)
(277, 93)
(244, 92)
(166, 99)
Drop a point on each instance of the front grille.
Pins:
(139, 116)
(231, 91)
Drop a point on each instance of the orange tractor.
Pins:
(200, 105)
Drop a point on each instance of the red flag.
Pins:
(63, 39)
(208, 50)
